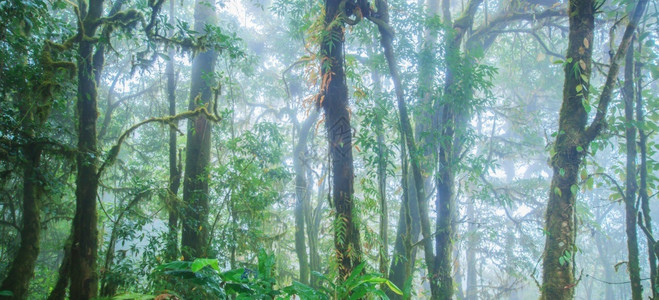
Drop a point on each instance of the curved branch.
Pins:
(169, 120)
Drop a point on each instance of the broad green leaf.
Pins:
(200, 263)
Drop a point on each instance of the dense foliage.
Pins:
(336, 149)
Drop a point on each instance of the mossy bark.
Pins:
(302, 195)
(643, 179)
(84, 277)
(194, 237)
(22, 268)
(334, 101)
(630, 180)
(560, 248)
(572, 141)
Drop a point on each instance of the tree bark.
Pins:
(472, 244)
(334, 101)
(194, 237)
(386, 40)
(643, 179)
(630, 180)
(572, 143)
(84, 278)
(409, 226)
(453, 124)
(22, 268)
(174, 163)
(302, 195)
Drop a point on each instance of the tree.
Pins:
(572, 142)
(194, 237)
(333, 98)
(84, 279)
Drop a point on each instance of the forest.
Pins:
(334, 149)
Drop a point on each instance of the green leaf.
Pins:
(579, 149)
(579, 87)
(558, 192)
(6, 293)
(393, 287)
(574, 189)
(584, 77)
(200, 263)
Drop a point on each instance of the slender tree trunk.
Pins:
(108, 285)
(378, 123)
(643, 177)
(386, 40)
(453, 118)
(572, 143)
(84, 277)
(59, 291)
(472, 244)
(334, 101)
(312, 218)
(174, 163)
(606, 266)
(630, 181)
(302, 195)
(426, 122)
(194, 237)
(382, 199)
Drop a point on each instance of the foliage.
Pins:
(208, 280)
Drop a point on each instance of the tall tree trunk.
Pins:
(84, 277)
(334, 101)
(22, 268)
(381, 165)
(194, 237)
(453, 118)
(643, 179)
(174, 163)
(472, 244)
(382, 199)
(572, 143)
(386, 40)
(302, 195)
(630, 181)
(312, 218)
(606, 265)
(426, 122)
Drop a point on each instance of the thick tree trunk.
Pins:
(334, 101)
(630, 181)
(194, 237)
(572, 143)
(84, 277)
(174, 163)
(22, 268)
(302, 195)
